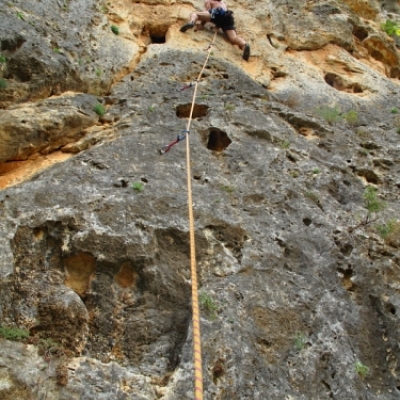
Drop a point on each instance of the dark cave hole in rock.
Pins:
(199, 110)
(218, 140)
(360, 33)
(307, 221)
(347, 283)
(391, 308)
(370, 176)
(395, 73)
(144, 180)
(378, 56)
(157, 39)
(218, 370)
(337, 83)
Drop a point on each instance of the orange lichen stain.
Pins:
(79, 270)
(14, 172)
(126, 276)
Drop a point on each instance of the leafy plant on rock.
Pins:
(390, 232)
(285, 144)
(13, 333)
(3, 83)
(115, 29)
(138, 186)
(300, 341)
(331, 115)
(391, 27)
(351, 117)
(361, 369)
(3, 60)
(99, 109)
(373, 205)
(207, 304)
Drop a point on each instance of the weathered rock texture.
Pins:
(298, 292)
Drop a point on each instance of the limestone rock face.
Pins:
(295, 179)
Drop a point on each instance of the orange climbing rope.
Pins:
(198, 370)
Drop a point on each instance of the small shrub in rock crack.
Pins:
(207, 304)
(300, 341)
(99, 109)
(12, 333)
(391, 27)
(138, 186)
(372, 203)
(115, 30)
(351, 117)
(3, 60)
(331, 115)
(3, 84)
(361, 369)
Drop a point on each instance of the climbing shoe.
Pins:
(187, 26)
(246, 52)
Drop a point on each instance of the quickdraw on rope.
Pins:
(191, 84)
(167, 147)
(197, 357)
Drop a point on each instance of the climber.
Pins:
(217, 13)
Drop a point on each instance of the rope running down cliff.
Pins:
(198, 371)
(197, 358)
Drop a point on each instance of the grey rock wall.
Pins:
(298, 289)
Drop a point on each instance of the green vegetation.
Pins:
(152, 108)
(285, 144)
(300, 341)
(398, 130)
(115, 29)
(3, 60)
(386, 229)
(294, 173)
(207, 304)
(316, 171)
(99, 72)
(330, 114)
(394, 110)
(11, 333)
(361, 369)
(99, 109)
(57, 50)
(138, 186)
(3, 83)
(48, 345)
(363, 132)
(391, 27)
(20, 15)
(351, 117)
(372, 203)
(227, 188)
(312, 196)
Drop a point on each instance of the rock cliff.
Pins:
(295, 164)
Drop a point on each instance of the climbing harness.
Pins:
(197, 358)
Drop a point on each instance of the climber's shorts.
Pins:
(224, 21)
